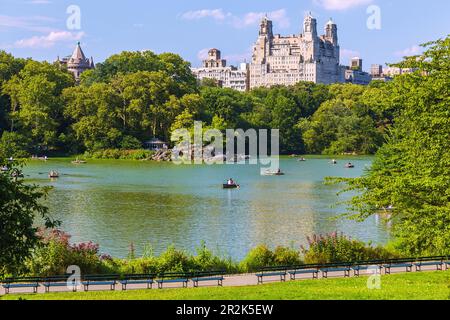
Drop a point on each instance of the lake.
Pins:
(116, 203)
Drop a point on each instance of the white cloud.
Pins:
(249, 19)
(216, 14)
(279, 17)
(203, 54)
(347, 54)
(33, 23)
(39, 2)
(340, 5)
(49, 40)
(412, 51)
(238, 57)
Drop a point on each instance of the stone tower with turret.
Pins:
(77, 63)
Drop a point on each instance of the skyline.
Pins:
(38, 28)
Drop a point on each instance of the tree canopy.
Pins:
(411, 173)
(134, 96)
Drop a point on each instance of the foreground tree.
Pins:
(411, 172)
(20, 208)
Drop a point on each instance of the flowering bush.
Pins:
(335, 247)
(56, 254)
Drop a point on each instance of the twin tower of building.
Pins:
(286, 60)
(282, 60)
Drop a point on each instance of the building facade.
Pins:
(77, 63)
(377, 73)
(355, 74)
(396, 71)
(376, 70)
(286, 60)
(214, 67)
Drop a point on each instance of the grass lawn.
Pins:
(412, 286)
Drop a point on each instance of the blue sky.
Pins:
(38, 28)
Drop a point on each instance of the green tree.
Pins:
(343, 124)
(411, 171)
(20, 209)
(283, 107)
(123, 63)
(126, 62)
(228, 104)
(9, 67)
(92, 114)
(36, 104)
(13, 144)
(184, 120)
(285, 115)
(208, 82)
(180, 71)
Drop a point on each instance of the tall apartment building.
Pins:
(286, 60)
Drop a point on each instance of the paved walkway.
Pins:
(230, 281)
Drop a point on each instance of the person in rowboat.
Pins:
(350, 165)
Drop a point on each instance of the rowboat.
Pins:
(231, 186)
(79, 162)
(272, 173)
(349, 166)
(53, 174)
(17, 174)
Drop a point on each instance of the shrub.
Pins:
(56, 253)
(132, 266)
(173, 260)
(138, 154)
(258, 258)
(284, 256)
(333, 248)
(129, 142)
(206, 260)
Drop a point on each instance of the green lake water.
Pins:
(115, 203)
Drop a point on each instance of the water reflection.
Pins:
(117, 203)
